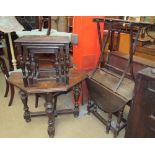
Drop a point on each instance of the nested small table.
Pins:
(49, 89)
(29, 47)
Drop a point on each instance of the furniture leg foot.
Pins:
(51, 132)
(27, 117)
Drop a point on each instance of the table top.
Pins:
(125, 91)
(47, 86)
(43, 39)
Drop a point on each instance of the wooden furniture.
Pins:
(8, 85)
(143, 57)
(28, 22)
(145, 45)
(110, 91)
(9, 24)
(41, 22)
(69, 23)
(49, 89)
(104, 97)
(147, 49)
(6, 47)
(140, 61)
(141, 120)
(31, 46)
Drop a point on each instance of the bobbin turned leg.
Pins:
(108, 122)
(24, 99)
(88, 106)
(119, 119)
(76, 91)
(57, 66)
(68, 64)
(50, 113)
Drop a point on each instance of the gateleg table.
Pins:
(49, 89)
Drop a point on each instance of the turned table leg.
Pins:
(24, 99)
(88, 106)
(50, 113)
(119, 119)
(76, 91)
(108, 122)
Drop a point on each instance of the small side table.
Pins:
(29, 47)
(49, 89)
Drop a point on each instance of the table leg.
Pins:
(119, 119)
(68, 64)
(50, 113)
(108, 122)
(67, 55)
(76, 91)
(24, 99)
(62, 65)
(89, 105)
(57, 66)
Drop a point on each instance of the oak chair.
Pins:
(8, 86)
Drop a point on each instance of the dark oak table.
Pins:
(49, 89)
(30, 47)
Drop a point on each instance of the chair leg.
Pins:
(12, 94)
(7, 89)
